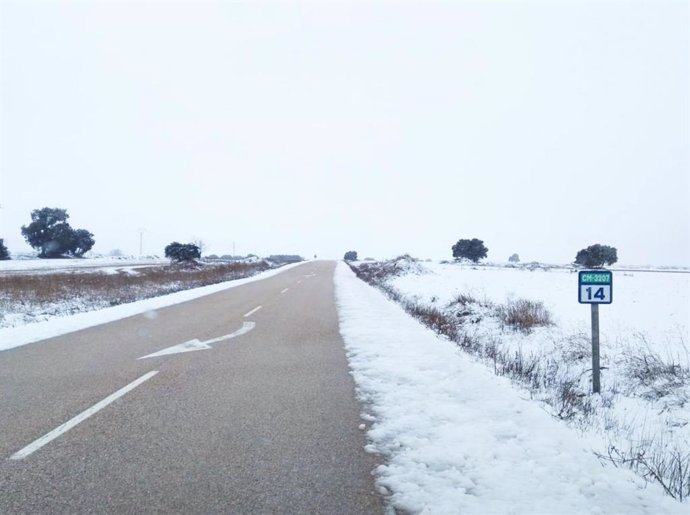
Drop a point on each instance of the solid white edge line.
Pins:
(49, 437)
(286, 289)
(257, 308)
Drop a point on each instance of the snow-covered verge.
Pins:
(49, 265)
(458, 439)
(642, 415)
(58, 325)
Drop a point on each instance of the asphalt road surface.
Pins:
(265, 421)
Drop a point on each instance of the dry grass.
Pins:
(41, 291)
(657, 377)
(554, 378)
(524, 315)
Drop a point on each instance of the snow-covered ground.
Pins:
(652, 304)
(36, 265)
(457, 438)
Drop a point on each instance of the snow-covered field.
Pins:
(458, 439)
(652, 304)
(642, 417)
(54, 265)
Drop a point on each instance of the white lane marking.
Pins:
(299, 282)
(246, 327)
(286, 289)
(49, 437)
(193, 345)
(257, 308)
(189, 346)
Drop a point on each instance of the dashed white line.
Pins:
(49, 437)
(286, 289)
(257, 308)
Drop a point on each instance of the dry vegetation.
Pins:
(35, 296)
(557, 378)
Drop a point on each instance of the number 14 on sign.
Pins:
(598, 294)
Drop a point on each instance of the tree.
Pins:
(596, 256)
(4, 253)
(350, 255)
(473, 249)
(50, 233)
(514, 258)
(182, 252)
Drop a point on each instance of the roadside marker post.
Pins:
(595, 287)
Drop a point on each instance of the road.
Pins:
(263, 422)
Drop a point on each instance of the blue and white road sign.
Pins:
(595, 287)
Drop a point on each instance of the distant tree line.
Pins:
(474, 250)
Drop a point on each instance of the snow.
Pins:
(457, 438)
(17, 336)
(654, 304)
(52, 265)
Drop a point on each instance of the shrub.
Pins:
(465, 299)
(524, 315)
(182, 252)
(515, 258)
(596, 256)
(473, 249)
(350, 255)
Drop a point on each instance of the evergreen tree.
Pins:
(182, 252)
(473, 249)
(596, 256)
(52, 236)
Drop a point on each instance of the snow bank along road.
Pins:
(257, 415)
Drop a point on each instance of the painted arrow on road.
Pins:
(193, 345)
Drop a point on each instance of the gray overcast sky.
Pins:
(317, 128)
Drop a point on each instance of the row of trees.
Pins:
(53, 237)
(474, 250)
(594, 256)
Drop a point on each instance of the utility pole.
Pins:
(141, 242)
